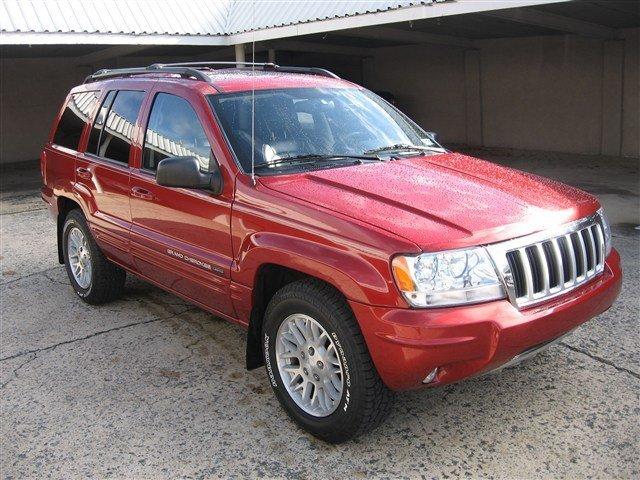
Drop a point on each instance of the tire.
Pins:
(105, 281)
(364, 401)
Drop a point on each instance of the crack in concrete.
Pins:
(41, 272)
(601, 360)
(4, 212)
(95, 334)
(17, 369)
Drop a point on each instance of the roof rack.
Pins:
(126, 72)
(264, 66)
(191, 70)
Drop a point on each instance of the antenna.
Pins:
(253, 95)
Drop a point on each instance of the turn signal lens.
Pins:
(402, 274)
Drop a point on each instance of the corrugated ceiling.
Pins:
(247, 15)
(138, 17)
(178, 17)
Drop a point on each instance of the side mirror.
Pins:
(184, 172)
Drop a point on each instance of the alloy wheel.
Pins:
(309, 365)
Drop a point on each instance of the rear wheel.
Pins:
(318, 363)
(94, 278)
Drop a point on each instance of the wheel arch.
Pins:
(270, 277)
(65, 205)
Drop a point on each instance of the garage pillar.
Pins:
(240, 52)
(271, 55)
(612, 72)
(473, 97)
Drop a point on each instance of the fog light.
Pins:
(431, 377)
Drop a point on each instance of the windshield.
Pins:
(301, 123)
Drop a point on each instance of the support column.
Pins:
(272, 55)
(240, 52)
(612, 71)
(473, 97)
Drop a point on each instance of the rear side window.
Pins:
(112, 132)
(174, 130)
(76, 114)
(94, 137)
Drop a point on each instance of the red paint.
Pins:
(341, 225)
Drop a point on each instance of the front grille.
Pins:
(543, 267)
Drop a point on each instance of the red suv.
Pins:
(361, 256)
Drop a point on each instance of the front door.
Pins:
(180, 237)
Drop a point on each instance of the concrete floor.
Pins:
(151, 387)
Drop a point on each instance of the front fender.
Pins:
(360, 277)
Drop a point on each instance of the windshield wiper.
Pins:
(399, 147)
(313, 158)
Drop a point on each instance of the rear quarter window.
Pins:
(75, 116)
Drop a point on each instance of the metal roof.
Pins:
(179, 17)
(137, 17)
(247, 15)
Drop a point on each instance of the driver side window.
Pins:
(174, 130)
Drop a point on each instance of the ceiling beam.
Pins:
(554, 22)
(109, 53)
(313, 47)
(406, 36)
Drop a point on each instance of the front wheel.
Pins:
(318, 364)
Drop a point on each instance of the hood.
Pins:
(440, 201)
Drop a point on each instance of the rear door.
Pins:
(181, 237)
(102, 171)
(58, 161)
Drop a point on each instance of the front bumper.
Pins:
(407, 344)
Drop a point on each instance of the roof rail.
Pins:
(264, 66)
(126, 72)
(190, 70)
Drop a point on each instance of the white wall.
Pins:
(31, 93)
(556, 93)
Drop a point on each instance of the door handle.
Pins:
(83, 172)
(142, 193)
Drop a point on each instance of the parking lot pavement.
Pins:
(150, 386)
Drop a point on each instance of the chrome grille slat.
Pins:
(592, 251)
(555, 248)
(542, 258)
(600, 243)
(528, 273)
(538, 267)
(573, 270)
(583, 255)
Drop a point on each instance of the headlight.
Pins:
(606, 228)
(447, 278)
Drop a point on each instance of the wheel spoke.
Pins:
(327, 398)
(291, 339)
(294, 380)
(288, 355)
(335, 381)
(293, 328)
(314, 397)
(305, 391)
(331, 390)
(291, 368)
(315, 331)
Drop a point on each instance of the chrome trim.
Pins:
(528, 354)
(556, 237)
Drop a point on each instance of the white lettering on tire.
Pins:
(345, 365)
(267, 361)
